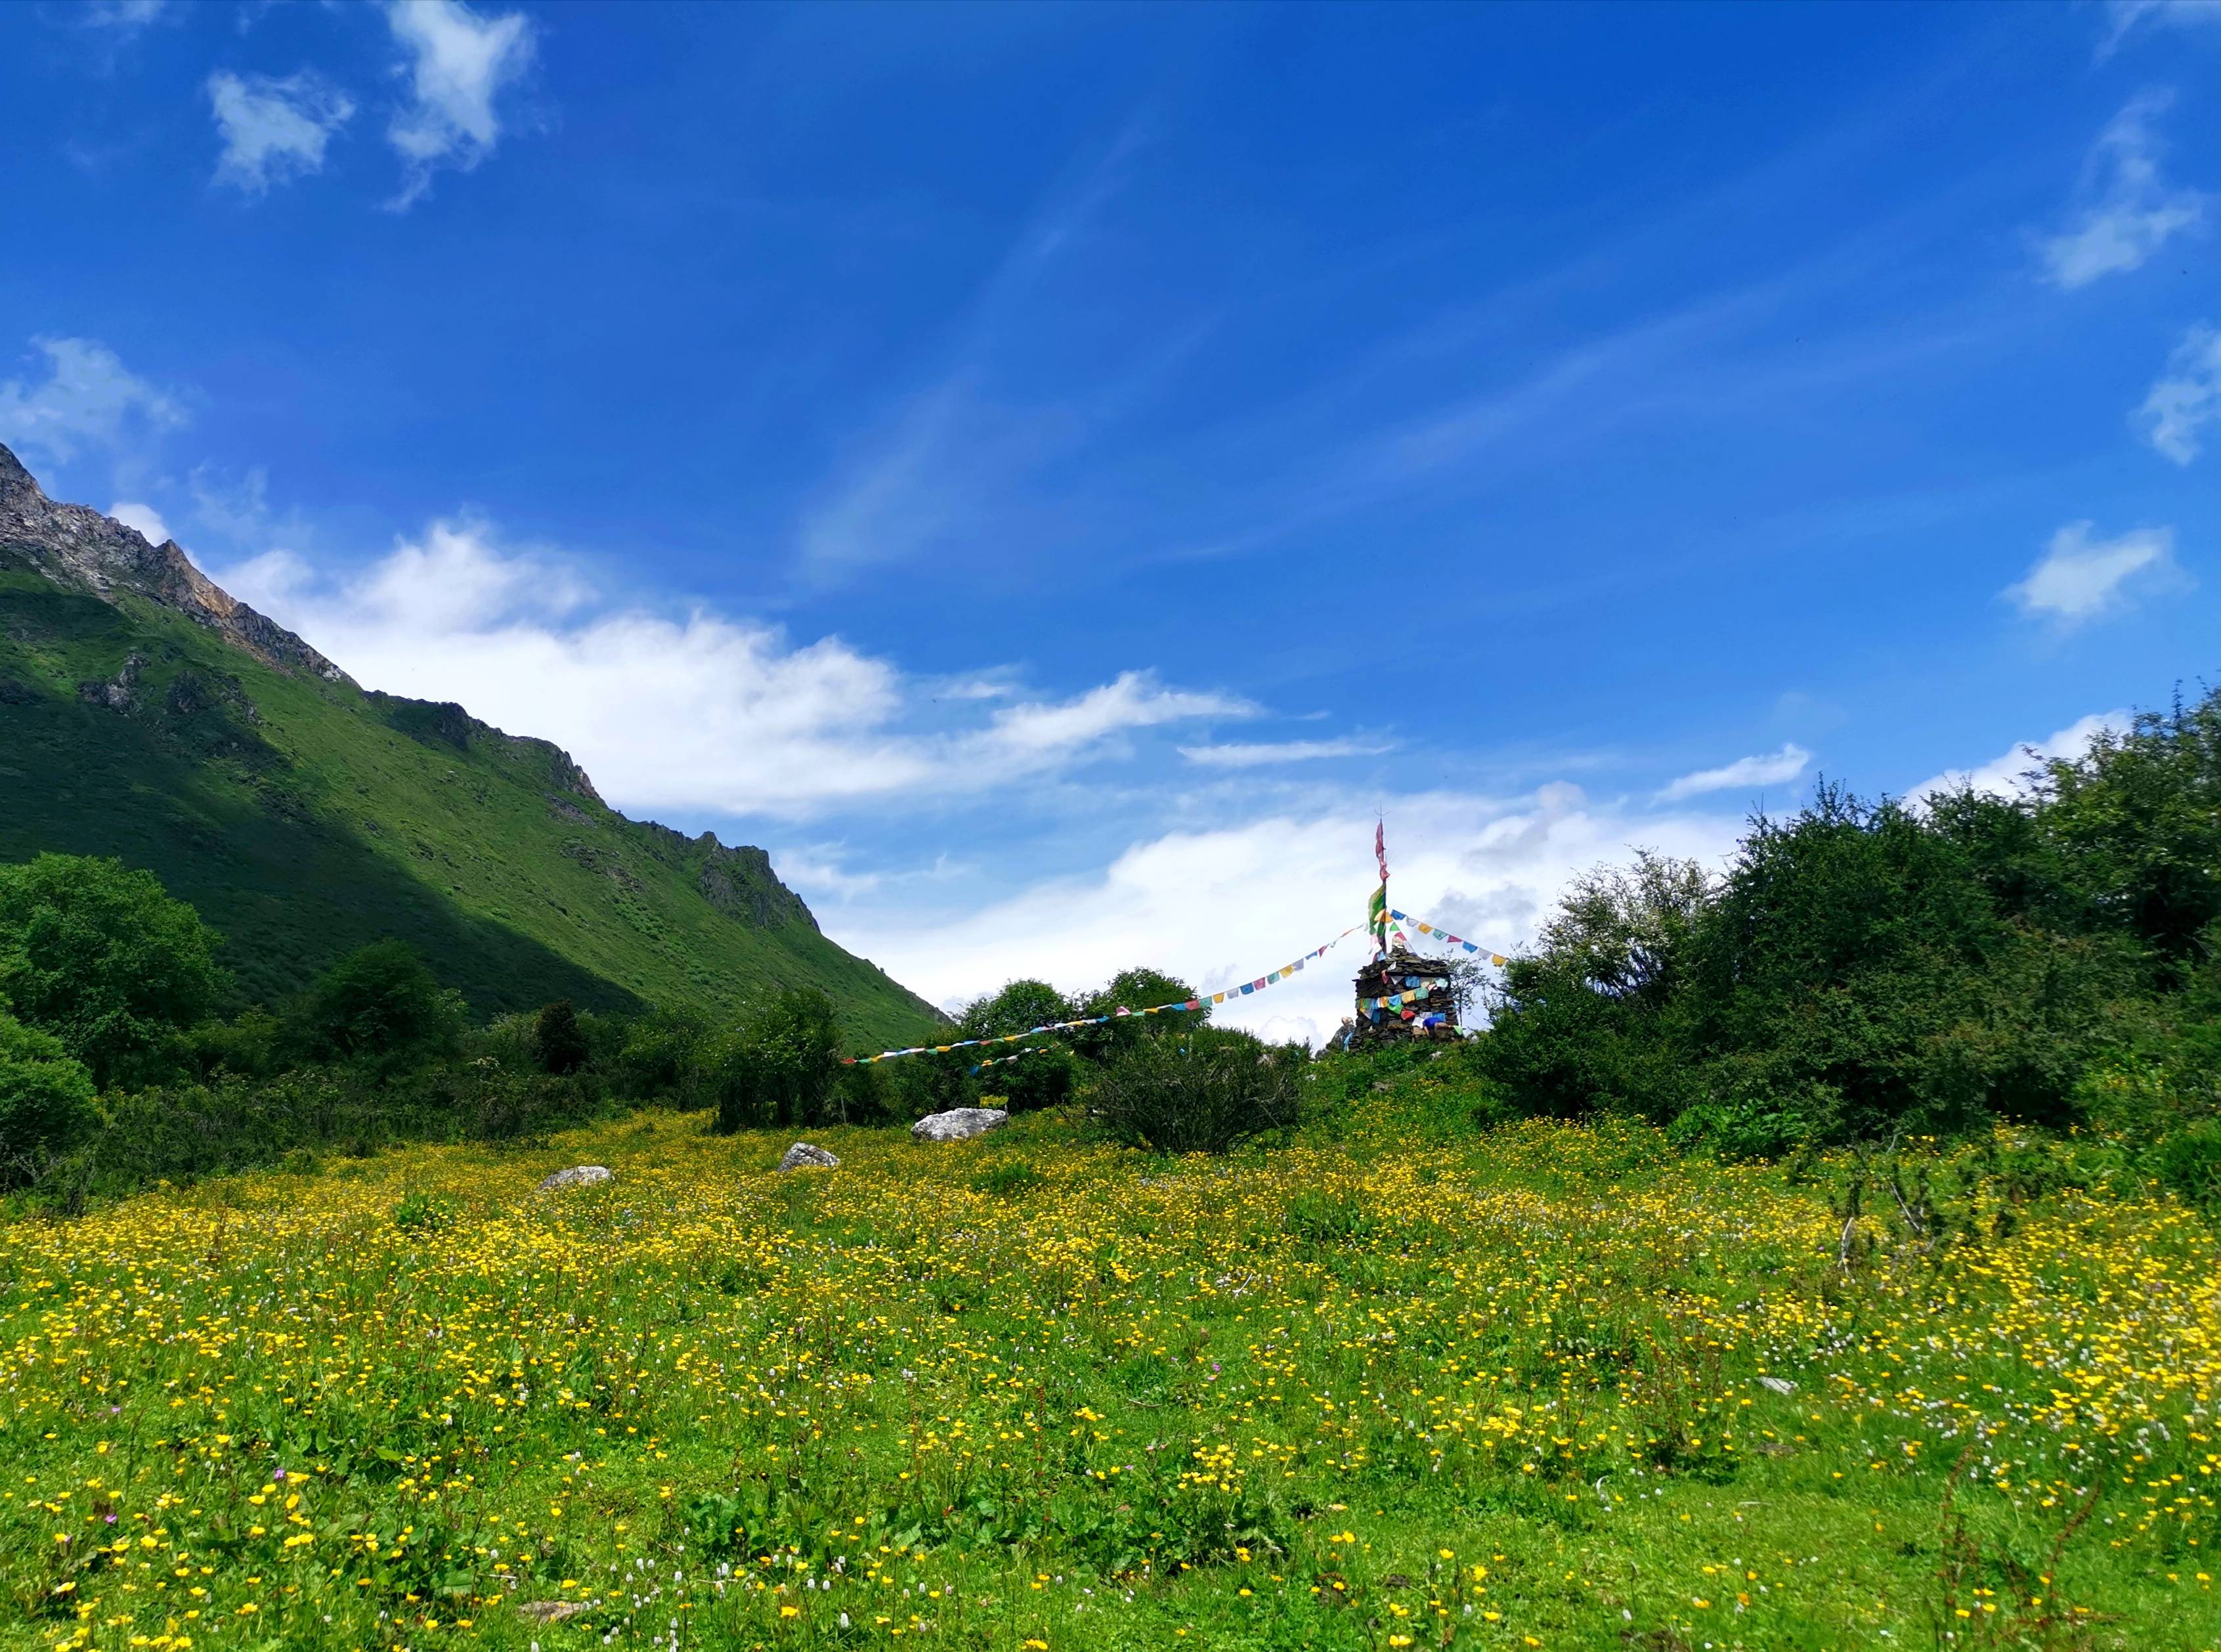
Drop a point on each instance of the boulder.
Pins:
(959, 1124)
(577, 1176)
(802, 1157)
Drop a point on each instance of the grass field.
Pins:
(1407, 1387)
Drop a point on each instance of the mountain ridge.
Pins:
(169, 723)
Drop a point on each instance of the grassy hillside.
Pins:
(304, 817)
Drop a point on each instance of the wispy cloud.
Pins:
(947, 467)
(1772, 768)
(458, 63)
(699, 711)
(273, 130)
(2124, 17)
(1236, 756)
(2187, 397)
(2128, 211)
(2005, 774)
(125, 18)
(87, 398)
(2079, 578)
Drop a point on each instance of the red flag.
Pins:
(1380, 847)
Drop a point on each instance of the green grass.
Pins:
(305, 818)
(1402, 1385)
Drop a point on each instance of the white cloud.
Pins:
(88, 396)
(2001, 777)
(1236, 756)
(2187, 398)
(2080, 578)
(125, 17)
(688, 714)
(273, 130)
(1221, 907)
(459, 64)
(2123, 16)
(2129, 210)
(144, 518)
(1771, 769)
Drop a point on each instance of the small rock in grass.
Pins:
(579, 1176)
(804, 1156)
(1778, 1385)
(551, 1611)
(959, 1124)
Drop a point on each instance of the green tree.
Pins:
(1047, 1075)
(96, 954)
(558, 1039)
(780, 1065)
(1019, 1007)
(1134, 990)
(379, 1005)
(46, 1100)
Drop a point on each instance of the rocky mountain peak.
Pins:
(75, 546)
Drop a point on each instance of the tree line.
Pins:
(124, 1059)
(1869, 969)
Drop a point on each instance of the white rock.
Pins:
(959, 1124)
(1779, 1385)
(579, 1176)
(802, 1157)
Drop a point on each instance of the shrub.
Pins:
(46, 1100)
(99, 956)
(1203, 1092)
(666, 1056)
(559, 1042)
(1742, 1129)
(2188, 1161)
(379, 1005)
(780, 1067)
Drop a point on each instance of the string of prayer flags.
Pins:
(1196, 1002)
(1440, 934)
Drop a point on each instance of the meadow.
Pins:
(1396, 1384)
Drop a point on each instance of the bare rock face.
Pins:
(76, 546)
(802, 1157)
(959, 1124)
(577, 1176)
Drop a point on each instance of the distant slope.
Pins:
(145, 714)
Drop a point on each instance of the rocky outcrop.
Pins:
(442, 723)
(577, 1176)
(75, 546)
(804, 1156)
(740, 883)
(959, 1124)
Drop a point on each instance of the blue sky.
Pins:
(1051, 474)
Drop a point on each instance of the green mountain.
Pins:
(145, 714)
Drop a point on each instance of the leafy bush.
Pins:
(1742, 1129)
(99, 956)
(1201, 1093)
(665, 1056)
(379, 1005)
(558, 1041)
(2188, 1161)
(46, 1100)
(780, 1067)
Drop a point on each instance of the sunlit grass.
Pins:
(1507, 1391)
